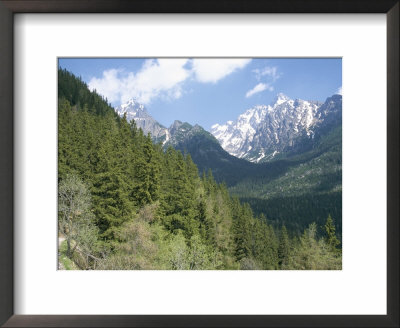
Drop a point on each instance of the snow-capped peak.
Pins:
(137, 112)
(263, 131)
(280, 99)
(131, 108)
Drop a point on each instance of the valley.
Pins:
(292, 169)
(262, 193)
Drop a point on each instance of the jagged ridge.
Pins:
(262, 132)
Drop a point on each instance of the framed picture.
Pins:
(183, 165)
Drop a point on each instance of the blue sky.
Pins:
(206, 90)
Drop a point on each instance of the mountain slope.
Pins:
(264, 133)
(294, 191)
(301, 189)
(302, 184)
(299, 184)
(203, 147)
(207, 153)
(136, 111)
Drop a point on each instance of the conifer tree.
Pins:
(201, 218)
(111, 188)
(284, 247)
(330, 233)
(147, 174)
(243, 230)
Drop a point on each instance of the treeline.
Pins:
(295, 211)
(76, 92)
(124, 203)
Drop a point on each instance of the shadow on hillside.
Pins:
(297, 212)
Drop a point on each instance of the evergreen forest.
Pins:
(125, 203)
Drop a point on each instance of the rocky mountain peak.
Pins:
(137, 111)
(280, 98)
(176, 124)
(262, 132)
(259, 134)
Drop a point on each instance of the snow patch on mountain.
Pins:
(137, 112)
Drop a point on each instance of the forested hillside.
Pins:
(306, 187)
(125, 203)
(294, 191)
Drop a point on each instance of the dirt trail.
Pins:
(61, 238)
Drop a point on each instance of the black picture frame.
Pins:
(10, 7)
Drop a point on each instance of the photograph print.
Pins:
(199, 163)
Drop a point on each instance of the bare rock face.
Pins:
(136, 111)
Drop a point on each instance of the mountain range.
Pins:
(261, 134)
(283, 158)
(265, 131)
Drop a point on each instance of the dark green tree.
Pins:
(284, 247)
(330, 233)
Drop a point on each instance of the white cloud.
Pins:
(162, 78)
(108, 86)
(212, 70)
(269, 74)
(259, 88)
(156, 78)
(339, 91)
(268, 71)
